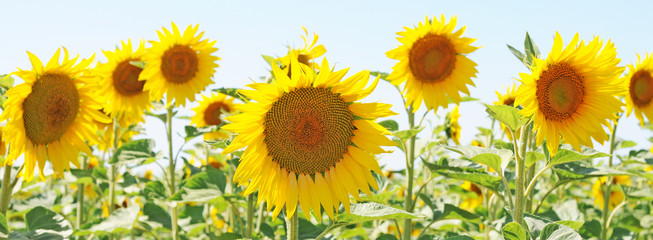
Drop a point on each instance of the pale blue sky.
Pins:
(356, 34)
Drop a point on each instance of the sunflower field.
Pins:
(145, 139)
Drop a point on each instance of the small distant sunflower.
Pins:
(214, 162)
(3, 145)
(470, 203)
(307, 139)
(210, 113)
(51, 115)
(477, 143)
(639, 83)
(572, 93)
(180, 65)
(105, 131)
(509, 100)
(433, 63)
(452, 127)
(148, 174)
(304, 55)
(119, 87)
(616, 195)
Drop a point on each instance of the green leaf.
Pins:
(497, 159)
(532, 158)
(386, 236)
(157, 215)
(155, 190)
(620, 144)
(567, 154)
(453, 212)
(138, 64)
(43, 223)
(100, 173)
(513, 231)
(572, 224)
(6, 81)
(475, 175)
(233, 92)
(120, 220)
(559, 232)
(202, 187)
(462, 99)
(622, 234)
(530, 49)
(218, 143)
(519, 55)
(192, 132)
(406, 134)
(638, 194)
(229, 236)
(391, 125)
(574, 171)
(364, 212)
(590, 229)
(135, 151)
(460, 237)
(78, 176)
(4, 229)
(507, 115)
(163, 117)
(307, 230)
(271, 60)
(381, 75)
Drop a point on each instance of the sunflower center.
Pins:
(179, 64)
(509, 101)
(641, 88)
(432, 58)
(560, 90)
(213, 111)
(50, 109)
(303, 58)
(125, 79)
(308, 130)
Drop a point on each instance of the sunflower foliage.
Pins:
(252, 162)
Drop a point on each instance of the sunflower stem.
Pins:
(250, 216)
(6, 190)
(410, 171)
(171, 169)
(518, 211)
(81, 188)
(292, 227)
(608, 186)
(113, 169)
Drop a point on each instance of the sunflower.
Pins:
(119, 88)
(470, 203)
(616, 196)
(105, 131)
(572, 93)
(214, 162)
(507, 99)
(148, 174)
(209, 112)
(308, 140)
(180, 65)
(3, 145)
(50, 116)
(639, 83)
(303, 55)
(433, 64)
(452, 127)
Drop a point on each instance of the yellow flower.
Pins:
(213, 162)
(433, 63)
(639, 83)
(3, 145)
(89, 192)
(180, 65)
(572, 93)
(120, 91)
(209, 112)
(308, 140)
(105, 210)
(616, 196)
(471, 203)
(51, 115)
(303, 55)
(477, 143)
(217, 221)
(148, 174)
(105, 132)
(452, 127)
(509, 100)
(93, 162)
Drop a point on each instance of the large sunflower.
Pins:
(119, 87)
(50, 116)
(433, 64)
(180, 65)
(572, 93)
(304, 55)
(209, 112)
(308, 140)
(639, 83)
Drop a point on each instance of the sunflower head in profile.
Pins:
(304, 55)
(474, 199)
(616, 195)
(572, 93)
(452, 127)
(309, 143)
(179, 65)
(211, 112)
(433, 63)
(639, 83)
(119, 88)
(507, 99)
(51, 116)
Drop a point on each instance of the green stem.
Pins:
(608, 186)
(250, 216)
(410, 171)
(518, 211)
(614, 211)
(529, 194)
(113, 168)
(6, 190)
(327, 230)
(259, 221)
(171, 169)
(537, 209)
(81, 188)
(292, 227)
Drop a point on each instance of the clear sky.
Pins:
(356, 34)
